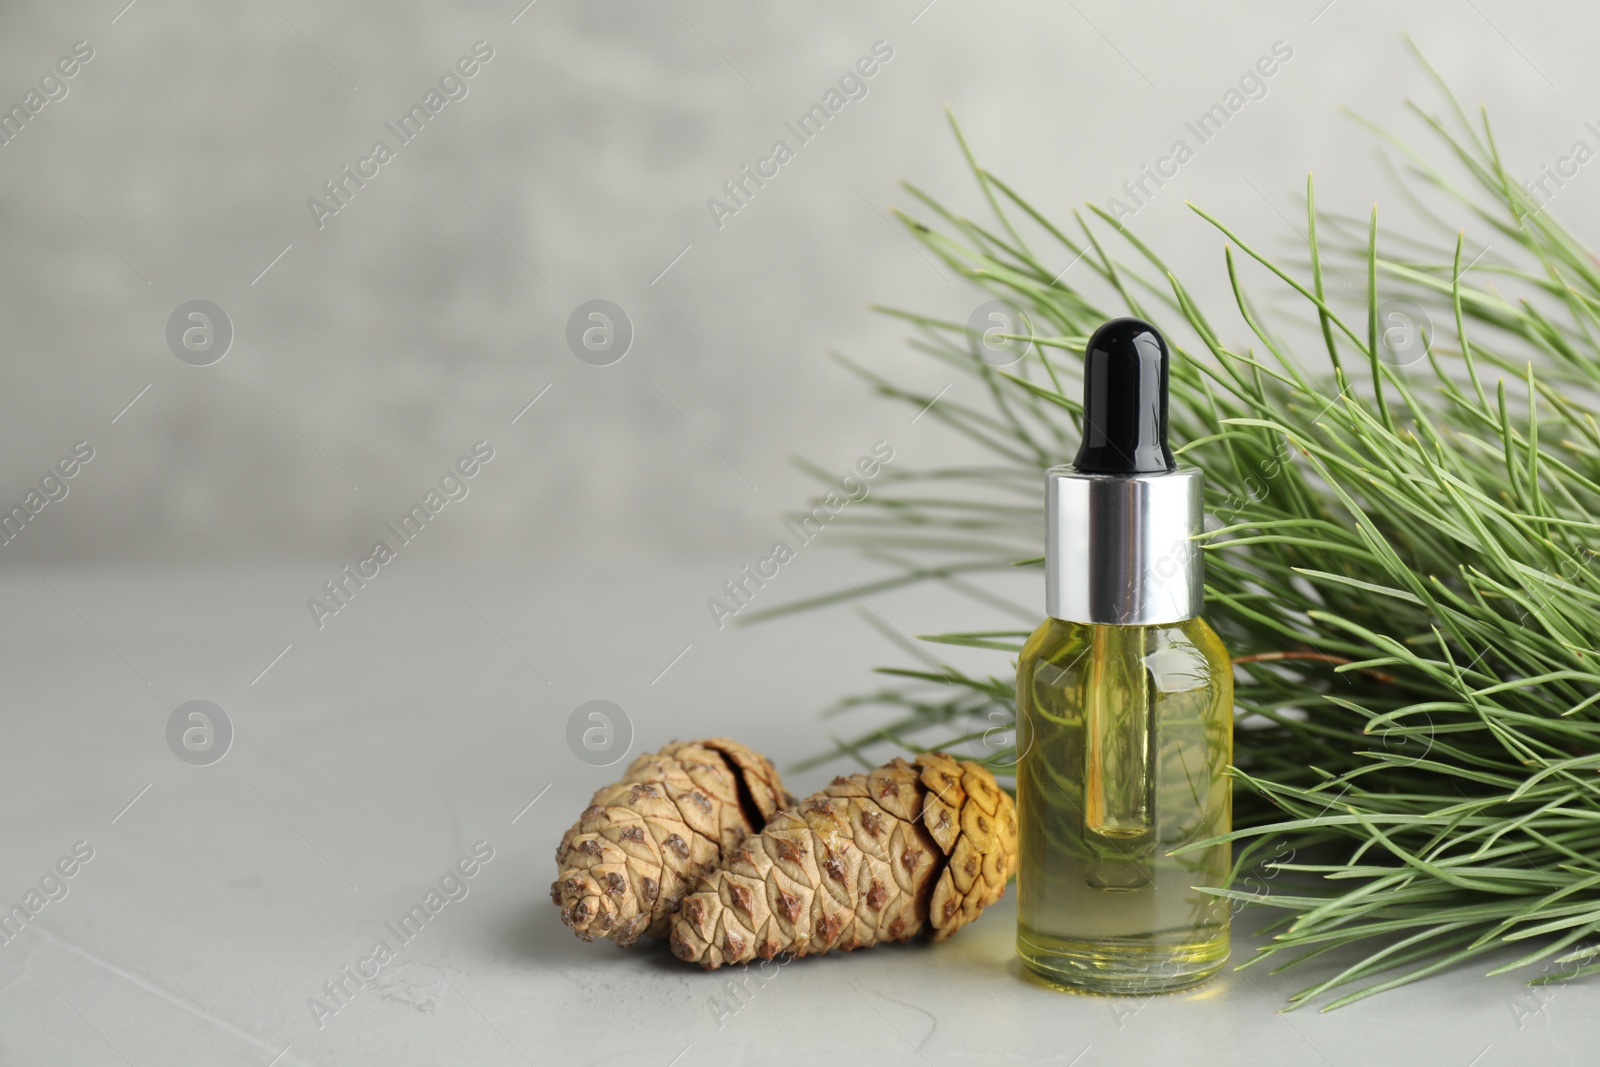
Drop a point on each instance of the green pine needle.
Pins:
(1402, 555)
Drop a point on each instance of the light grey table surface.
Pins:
(430, 715)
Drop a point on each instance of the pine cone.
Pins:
(907, 849)
(643, 841)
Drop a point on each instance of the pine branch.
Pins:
(1403, 553)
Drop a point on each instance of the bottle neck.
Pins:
(1121, 550)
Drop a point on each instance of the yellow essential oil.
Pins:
(1124, 705)
(1128, 732)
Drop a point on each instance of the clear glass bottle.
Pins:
(1128, 731)
(1124, 705)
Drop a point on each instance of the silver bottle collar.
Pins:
(1120, 549)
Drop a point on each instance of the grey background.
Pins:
(431, 712)
(409, 327)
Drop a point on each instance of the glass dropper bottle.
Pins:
(1124, 704)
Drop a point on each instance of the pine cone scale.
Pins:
(906, 849)
(643, 841)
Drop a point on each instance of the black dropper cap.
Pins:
(1125, 401)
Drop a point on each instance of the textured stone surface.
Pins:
(217, 904)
